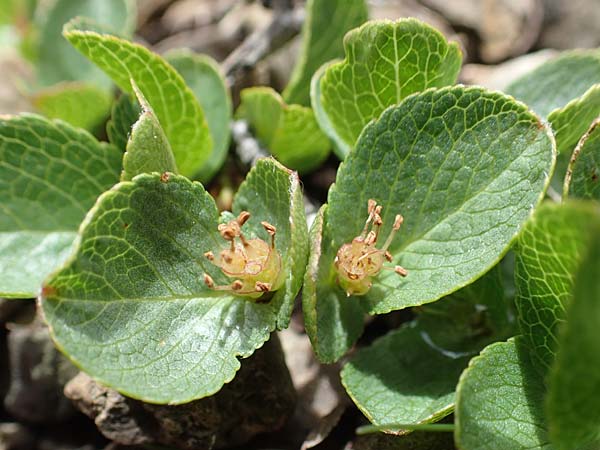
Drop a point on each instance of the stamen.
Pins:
(401, 271)
(271, 229)
(243, 218)
(210, 256)
(397, 223)
(237, 285)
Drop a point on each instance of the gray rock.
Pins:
(38, 373)
(14, 436)
(259, 399)
(571, 24)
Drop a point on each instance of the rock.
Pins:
(570, 24)
(38, 373)
(505, 27)
(14, 436)
(259, 399)
(498, 77)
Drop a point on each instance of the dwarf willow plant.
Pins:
(149, 288)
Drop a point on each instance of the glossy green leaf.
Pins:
(203, 75)
(325, 25)
(289, 132)
(81, 104)
(148, 149)
(50, 175)
(58, 61)
(548, 253)
(131, 307)
(582, 180)
(465, 167)
(499, 401)
(573, 407)
(125, 112)
(410, 375)
(385, 63)
(175, 105)
(555, 83)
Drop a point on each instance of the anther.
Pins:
(243, 218)
(237, 285)
(262, 287)
(209, 281)
(271, 229)
(210, 256)
(401, 271)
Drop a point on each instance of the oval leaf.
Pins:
(548, 253)
(325, 25)
(50, 175)
(465, 167)
(572, 408)
(289, 132)
(58, 61)
(385, 62)
(83, 105)
(175, 105)
(203, 75)
(499, 401)
(131, 307)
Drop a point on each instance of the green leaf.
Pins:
(325, 25)
(290, 132)
(272, 193)
(464, 166)
(203, 75)
(401, 378)
(50, 175)
(131, 307)
(410, 375)
(385, 63)
(148, 149)
(332, 323)
(548, 253)
(57, 59)
(583, 171)
(175, 105)
(499, 401)
(83, 105)
(125, 112)
(572, 121)
(558, 81)
(572, 407)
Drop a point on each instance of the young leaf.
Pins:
(148, 149)
(175, 105)
(203, 75)
(499, 401)
(81, 104)
(57, 59)
(572, 407)
(385, 62)
(125, 112)
(548, 253)
(555, 83)
(289, 132)
(584, 169)
(131, 307)
(325, 25)
(50, 175)
(410, 375)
